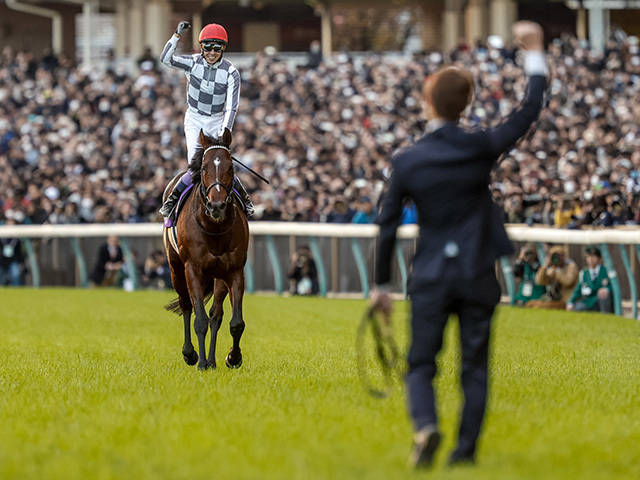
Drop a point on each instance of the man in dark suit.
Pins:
(109, 263)
(447, 174)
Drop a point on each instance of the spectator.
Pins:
(524, 271)
(340, 213)
(365, 213)
(409, 214)
(12, 259)
(559, 275)
(595, 214)
(147, 61)
(108, 270)
(593, 291)
(49, 60)
(156, 272)
(303, 275)
(618, 215)
(270, 212)
(514, 209)
(322, 129)
(533, 211)
(567, 211)
(315, 54)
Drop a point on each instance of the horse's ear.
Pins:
(204, 140)
(227, 137)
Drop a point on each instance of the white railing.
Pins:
(624, 236)
(627, 240)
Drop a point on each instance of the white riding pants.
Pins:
(193, 123)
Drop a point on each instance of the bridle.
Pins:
(204, 193)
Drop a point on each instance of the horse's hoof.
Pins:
(191, 359)
(228, 363)
(203, 366)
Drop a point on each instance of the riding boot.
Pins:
(248, 204)
(170, 203)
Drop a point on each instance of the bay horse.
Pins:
(212, 242)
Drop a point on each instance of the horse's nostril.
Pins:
(215, 208)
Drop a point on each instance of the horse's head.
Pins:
(216, 175)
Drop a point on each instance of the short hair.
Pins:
(593, 250)
(449, 91)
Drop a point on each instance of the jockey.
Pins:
(213, 94)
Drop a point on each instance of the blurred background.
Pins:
(126, 28)
(91, 122)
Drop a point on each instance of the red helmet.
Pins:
(213, 31)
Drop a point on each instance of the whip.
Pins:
(377, 354)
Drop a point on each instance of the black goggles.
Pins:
(208, 46)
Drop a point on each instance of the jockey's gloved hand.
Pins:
(182, 26)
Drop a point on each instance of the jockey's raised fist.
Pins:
(182, 26)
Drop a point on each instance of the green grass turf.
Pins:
(93, 386)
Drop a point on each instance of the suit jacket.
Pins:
(585, 282)
(104, 256)
(447, 174)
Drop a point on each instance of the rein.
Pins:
(237, 161)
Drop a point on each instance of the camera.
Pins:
(555, 259)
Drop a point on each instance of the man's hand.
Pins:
(528, 36)
(381, 302)
(182, 26)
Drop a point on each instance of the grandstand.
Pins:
(291, 25)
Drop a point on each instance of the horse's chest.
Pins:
(221, 263)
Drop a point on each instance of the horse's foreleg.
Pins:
(234, 359)
(215, 318)
(201, 322)
(188, 352)
(180, 282)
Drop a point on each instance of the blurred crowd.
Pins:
(81, 146)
